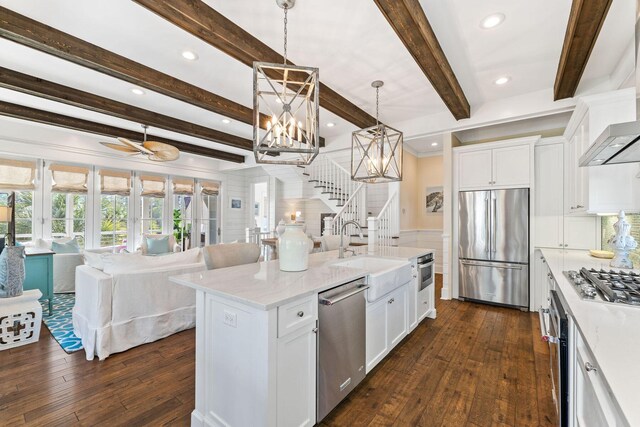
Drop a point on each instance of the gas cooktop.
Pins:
(611, 286)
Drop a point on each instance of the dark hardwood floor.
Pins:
(474, 365)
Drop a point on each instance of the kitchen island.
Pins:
(610, 335)
(256, 339)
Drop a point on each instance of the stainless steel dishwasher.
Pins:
(341, 344)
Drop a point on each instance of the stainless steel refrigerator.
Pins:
(493, 246)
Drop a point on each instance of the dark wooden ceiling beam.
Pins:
(200, 20)
(49, 90)
(28, 32)
(408, 20)
(585, 22)
(31, 33)
(46, 117)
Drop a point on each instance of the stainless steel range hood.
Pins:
(619, 143)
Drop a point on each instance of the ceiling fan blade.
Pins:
(119, 147)
(161, 152)
(134, 145)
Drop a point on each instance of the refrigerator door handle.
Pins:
(487, 225)
(493, 226)
(493, 265)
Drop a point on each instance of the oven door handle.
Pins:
(543, 312)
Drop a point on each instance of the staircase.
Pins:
(327, 180)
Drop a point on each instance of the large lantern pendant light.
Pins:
(288, 94)
(376, 151)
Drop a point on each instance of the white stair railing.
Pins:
(354, 209)
(384, 228)
(332, 179)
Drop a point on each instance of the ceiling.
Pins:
(350, 41)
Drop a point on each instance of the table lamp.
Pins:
(5, 216)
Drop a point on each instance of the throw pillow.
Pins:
(158, 246)
(70, 247)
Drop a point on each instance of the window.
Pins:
(183, 211)
(115, 188)
(19, 176)
(153, 193)
(68, 216)
(69, 202)
(261, 206)
(208, 227)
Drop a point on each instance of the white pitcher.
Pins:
(293, 249)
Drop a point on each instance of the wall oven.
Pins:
(425, 271)
(554, 326)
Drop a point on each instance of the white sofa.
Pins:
(132, 302)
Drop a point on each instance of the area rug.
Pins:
(60, 323)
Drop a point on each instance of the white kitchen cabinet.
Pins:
(553, 228)
(426, 303)
(475, 169)
(541, 272)
(594, 404)
(386, 325)
(296, 384)
(412, 298)
(505, 164)
(600, 189)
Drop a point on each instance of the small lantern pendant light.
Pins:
(289, 95)
(376, 152)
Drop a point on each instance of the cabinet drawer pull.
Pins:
(314, 330)
(301, 314)
(391, 301)
(588, 366)
(579, 207)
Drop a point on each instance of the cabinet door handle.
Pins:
(588, 366)
(391, 301)
(565, 245)
(301, 314)
(579, 207)
(425, 302)
(572, 207)
(560, 244)
(314, 330)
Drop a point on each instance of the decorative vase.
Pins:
(12, 271)
(280, 228)
(293, 249)
(622, 242)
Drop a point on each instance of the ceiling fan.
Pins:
(154, 150)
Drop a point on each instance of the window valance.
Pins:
(210, 188)
(69, 179)
(183, 186)
(153, 185)
(115, 182)
(17, 174)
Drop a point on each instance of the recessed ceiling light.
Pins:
(599, 160)
(330, 124)
(137, 91)
(616, 145)
(226, 121)
(434, 144)
(502, 80)
(189, 55)
(492, 21)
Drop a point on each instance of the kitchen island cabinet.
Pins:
(256, 342)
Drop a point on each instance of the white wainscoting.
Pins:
(431, 239)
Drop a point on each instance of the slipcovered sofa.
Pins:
(125, 300)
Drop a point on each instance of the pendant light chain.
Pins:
(286, 9)
(377, 104)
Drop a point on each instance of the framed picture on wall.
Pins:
(434, 200)
(235, 203)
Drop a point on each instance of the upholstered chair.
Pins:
(230, 254)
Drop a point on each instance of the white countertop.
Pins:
(264, 286)
(612, 331)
